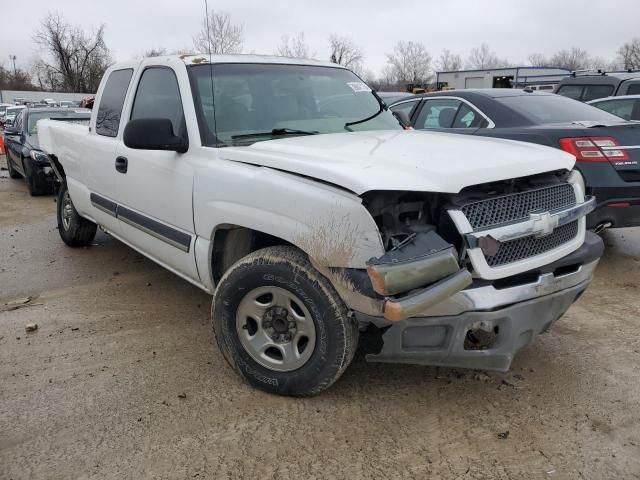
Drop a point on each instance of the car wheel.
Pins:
(281, 325)
(12, 172)
(74, 230)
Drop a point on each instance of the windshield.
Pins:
(74, 116)
(542, 109)
(255, 102)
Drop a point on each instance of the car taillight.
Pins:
(594, 149)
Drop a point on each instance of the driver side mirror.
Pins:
(403, 118)
(153, 134)
(10, 130)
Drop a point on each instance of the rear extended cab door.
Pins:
(90, 173)
(154, 190)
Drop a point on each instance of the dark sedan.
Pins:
(24, 157)
(606, 147)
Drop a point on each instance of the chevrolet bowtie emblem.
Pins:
(543, 223)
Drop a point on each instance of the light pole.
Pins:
(13, 59)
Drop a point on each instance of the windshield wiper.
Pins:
(276, 132)
(381, 104)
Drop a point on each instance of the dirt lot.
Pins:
(122, 380)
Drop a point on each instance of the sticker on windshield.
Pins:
(358, 87)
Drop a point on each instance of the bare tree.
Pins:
(538, 60)
(482, 57)
(572, 59)
(410, 63)
(345, 52)
(295, 47)
(75, 60)
(155, 52)
(15, 79)
(219, 35)
(629, 54)
(449, 62)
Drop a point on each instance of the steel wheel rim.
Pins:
(260, 320)
(67, 210)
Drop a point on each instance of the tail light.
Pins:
(594, 149)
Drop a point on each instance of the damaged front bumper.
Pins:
(485, 325)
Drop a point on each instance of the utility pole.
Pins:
(13, 59)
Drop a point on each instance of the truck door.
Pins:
(90, 176)
(154, 186)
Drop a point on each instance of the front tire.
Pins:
(281, 325)
(74, 230)
(12, 172)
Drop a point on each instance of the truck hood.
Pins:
(402, 160)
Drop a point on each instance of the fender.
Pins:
(329, 224)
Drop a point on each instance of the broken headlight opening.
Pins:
(420, 267)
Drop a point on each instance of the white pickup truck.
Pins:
(287, 190)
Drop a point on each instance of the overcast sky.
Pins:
(513, 29)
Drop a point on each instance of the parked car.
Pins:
(3, 110)
(625, 106)
(11, 113)
(590, 86)
(307, 211)
(67, 103)
(24, 156)
(393, 97)
(604, 145)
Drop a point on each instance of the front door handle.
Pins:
(121, 164)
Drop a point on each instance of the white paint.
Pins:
(403, 160)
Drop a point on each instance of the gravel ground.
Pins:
(122, 380)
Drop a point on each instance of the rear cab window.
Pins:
(633, 89)
(585, 93)
(112, 101)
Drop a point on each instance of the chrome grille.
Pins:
(517, 206)
(526, 247)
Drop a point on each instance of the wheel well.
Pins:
(232, 242)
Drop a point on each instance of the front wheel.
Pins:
(13, 173)
(74, 230)
(281, 325)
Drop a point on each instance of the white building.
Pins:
(512, 77)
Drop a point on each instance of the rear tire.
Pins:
(281, 325)
(74, 230)
(12, 172)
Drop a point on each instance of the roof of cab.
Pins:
(245, 58)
